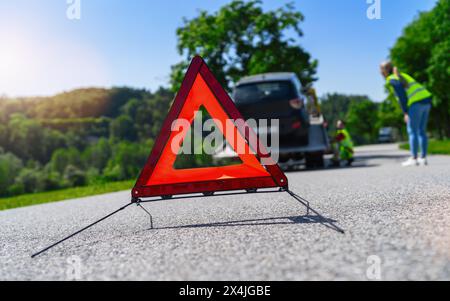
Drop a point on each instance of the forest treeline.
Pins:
(77, 138)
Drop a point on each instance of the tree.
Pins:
(336, 106)
(423, 51)
(74, 176)
(390, 114)
(25, 138)
(29, 140)
(122, 128)
(31, 179)
(241, 39)
(10, 167)
(98, 154)
(127, 160)
(62, 158)
(362, 120)
(152, 113)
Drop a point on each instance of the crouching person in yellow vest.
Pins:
(343, 146)
(416, 102)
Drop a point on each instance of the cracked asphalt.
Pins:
(396, 222)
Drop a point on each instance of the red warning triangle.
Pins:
(200, 89)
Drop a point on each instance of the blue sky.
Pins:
(133, 43)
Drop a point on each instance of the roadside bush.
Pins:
(62, 158)
(127, 160)
(52, 181)
(10, 167)
(74, 176)
(97, 155)
(33, 180)
(93, 177)
(16, 189)
(122, 128)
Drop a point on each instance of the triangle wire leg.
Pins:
(79, 231)
(324, 221)
(138, 203)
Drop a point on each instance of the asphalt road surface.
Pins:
(396, 222)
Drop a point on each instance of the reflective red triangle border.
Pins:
(277, 178)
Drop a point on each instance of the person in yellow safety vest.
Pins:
(313, 104)
(343, 145)
(415, 101)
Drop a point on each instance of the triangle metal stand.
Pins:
(324, 221)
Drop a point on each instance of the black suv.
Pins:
(275, 96)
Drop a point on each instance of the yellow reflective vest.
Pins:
(347, 142)
(415, 91)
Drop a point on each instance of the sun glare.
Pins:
(15, 59)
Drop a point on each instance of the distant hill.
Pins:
(80, 103)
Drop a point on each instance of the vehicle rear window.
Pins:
(264, 91)
(385, 131)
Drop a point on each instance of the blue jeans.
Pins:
(417, 128)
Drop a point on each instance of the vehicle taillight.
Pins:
(296, 125)
(296, 103)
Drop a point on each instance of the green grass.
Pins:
(436, 147)
(60, 195)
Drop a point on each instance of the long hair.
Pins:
(403, 81)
